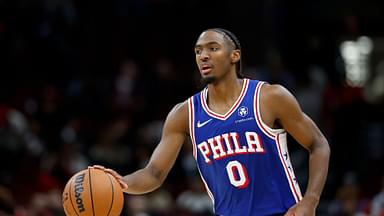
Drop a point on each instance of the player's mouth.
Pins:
(206, 69)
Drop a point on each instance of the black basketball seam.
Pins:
(90, 189)
(113, 195)
(70, 197)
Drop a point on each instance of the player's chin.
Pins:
(208, 79)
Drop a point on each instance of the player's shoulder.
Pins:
(180, 108)
(178, 116)
(276, 96)
(274, 91)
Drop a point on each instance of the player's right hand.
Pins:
(116, 175)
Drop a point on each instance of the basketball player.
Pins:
(238, 129)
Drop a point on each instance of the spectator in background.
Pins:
(377, 206)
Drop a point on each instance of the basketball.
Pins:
(92, 192)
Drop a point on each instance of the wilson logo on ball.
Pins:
(78, 191)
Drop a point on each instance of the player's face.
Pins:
(213, 56)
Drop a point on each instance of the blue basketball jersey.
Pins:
(243, 163)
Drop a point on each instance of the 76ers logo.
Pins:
(243, 111)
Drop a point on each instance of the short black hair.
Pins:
(236, 42)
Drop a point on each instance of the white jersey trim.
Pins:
(191, 119)
(204, 95)
(270, 132)
(191, 110)
(281, 144)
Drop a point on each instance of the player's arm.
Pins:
(285, 111)
(164, 156)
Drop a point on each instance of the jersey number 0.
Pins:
(237, 174)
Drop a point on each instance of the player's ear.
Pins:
(235, 56)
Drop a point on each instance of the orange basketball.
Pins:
(92, 192)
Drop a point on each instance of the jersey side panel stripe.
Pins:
(295, 192)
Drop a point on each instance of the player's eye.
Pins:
(214, 49)
(197, 51)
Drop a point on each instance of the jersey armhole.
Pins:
(191, 123)
(270, 132)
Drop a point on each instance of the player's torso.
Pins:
(245, 166)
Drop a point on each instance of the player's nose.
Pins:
(204, 56)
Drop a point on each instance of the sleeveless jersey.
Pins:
(243, 163)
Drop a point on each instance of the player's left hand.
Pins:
(306, 207)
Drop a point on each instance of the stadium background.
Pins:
(90, 82)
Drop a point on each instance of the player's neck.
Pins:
(225, 92)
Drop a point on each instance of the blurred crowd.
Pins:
(86, 83)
